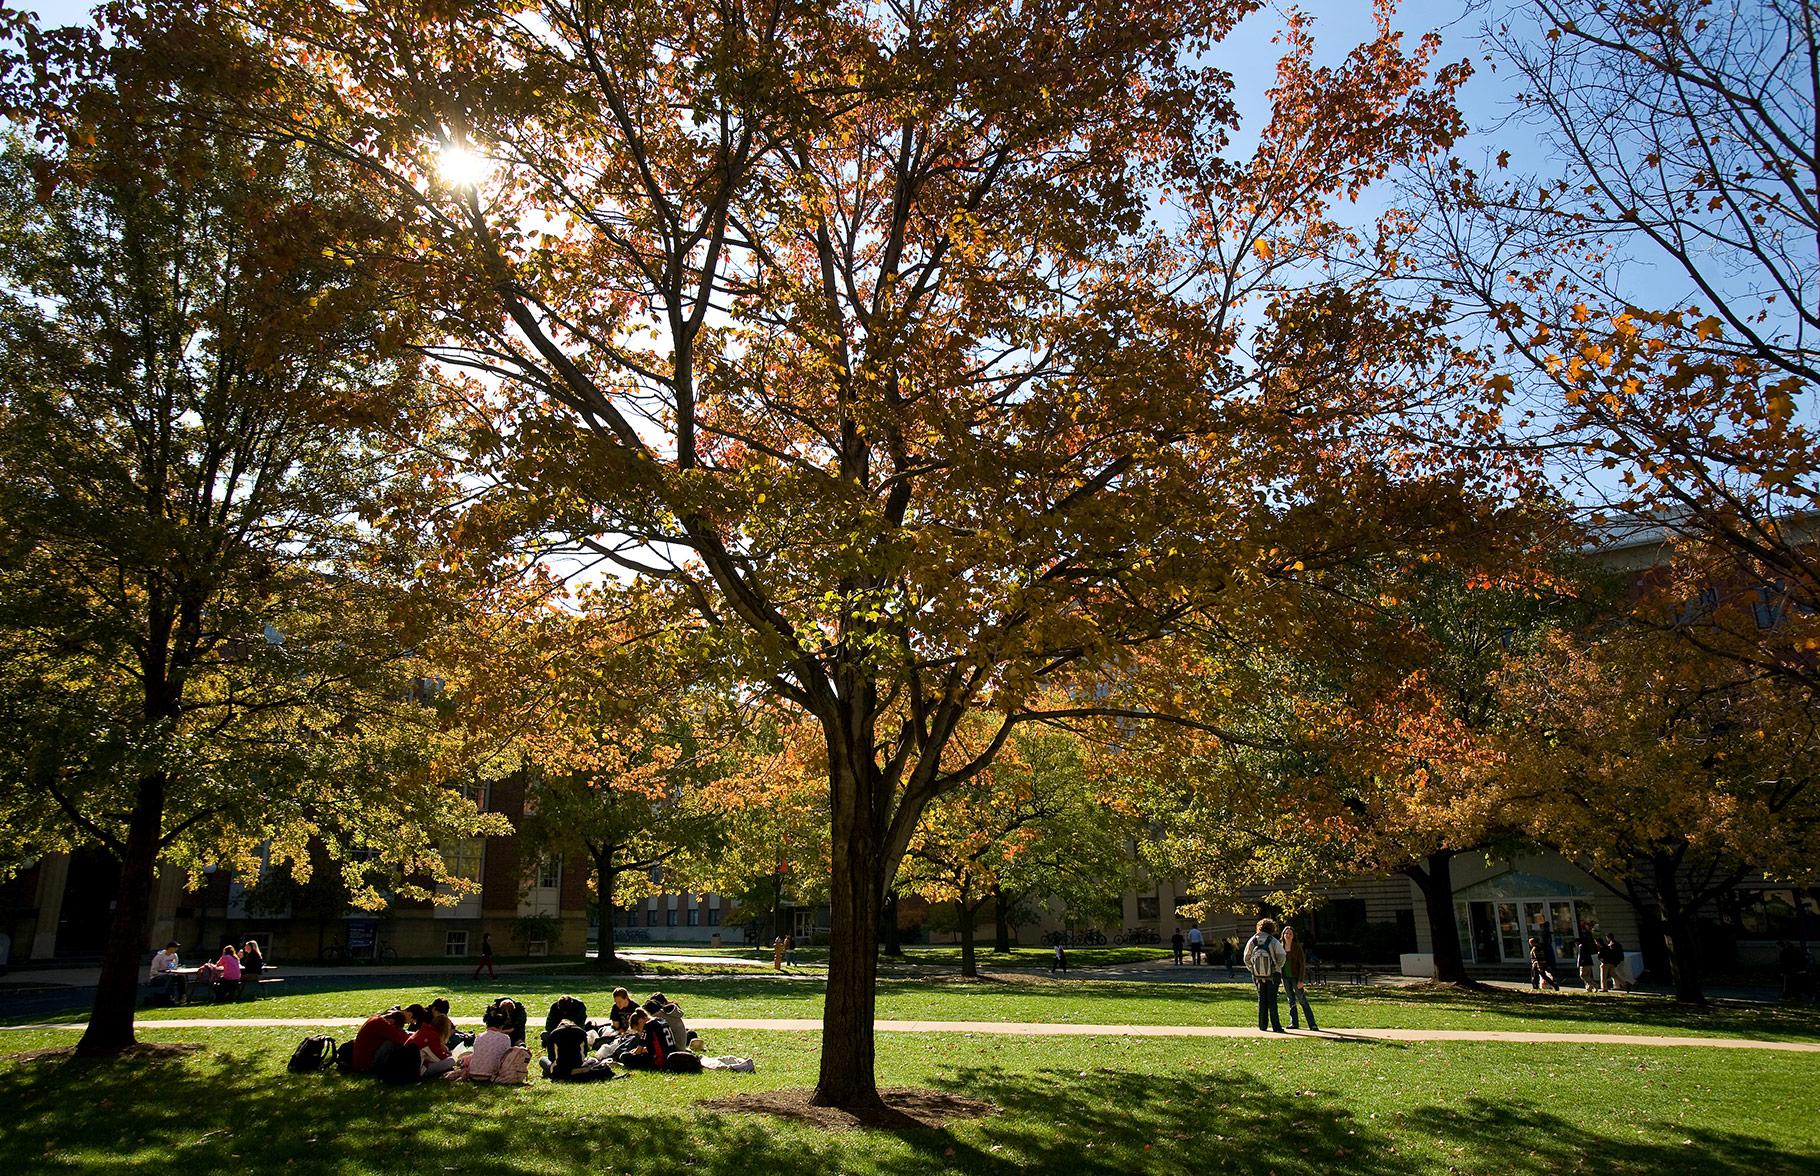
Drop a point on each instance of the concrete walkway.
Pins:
(1048, 1029)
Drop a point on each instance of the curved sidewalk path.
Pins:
(1050, 1029)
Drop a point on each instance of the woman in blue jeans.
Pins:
(1295, 978)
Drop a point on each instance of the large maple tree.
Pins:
(860, 325)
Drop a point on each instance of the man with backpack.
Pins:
(1264, 957)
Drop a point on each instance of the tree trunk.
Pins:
(110, 1022)
(963, 913)
(1435, 880)
(893, 934)
(1677, 930)
(606, 880)
(855, 897)
(1001, 922)
(1650, 940)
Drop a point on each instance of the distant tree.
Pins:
(1670, 777)
(1370, 748)
(1032, 826)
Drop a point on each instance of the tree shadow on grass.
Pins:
(1519, 1136)
(224, 1111)
(1231, 1121)
(1645, 1012)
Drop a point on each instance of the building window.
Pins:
(549, 873)
(632, 917)
(1147, 906)
(713, 916)
(694, 916)
(670, 917)
(463, 858)
(651, 917)
(1768, 608)
(455, 943)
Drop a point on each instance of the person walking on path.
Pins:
(1611, 966)
(1060, 962)
(790, 950)
(1541, 975)
(486, 956)
(1586, 958)
(1264, 959)
(1177, 942)
(1295, 978)
(1195, 943)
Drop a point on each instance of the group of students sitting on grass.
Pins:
(410, 1043)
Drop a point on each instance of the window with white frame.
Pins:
(455, 943)
(549, 873)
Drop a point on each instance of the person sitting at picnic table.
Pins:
(252, 960)
(163, 981)
(426, 1037)
(227, 984)
(375, 1032)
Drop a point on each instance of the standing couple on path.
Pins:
(1274, 961)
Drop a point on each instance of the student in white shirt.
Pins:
(162, 978)
(482, 1062)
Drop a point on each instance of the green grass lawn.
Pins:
(1072, 1105)
(942, 955)
(1094, 1002)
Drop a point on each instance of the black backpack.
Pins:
(681, 1061)
(312, 1054)
(400, 1065)
(344, 1058)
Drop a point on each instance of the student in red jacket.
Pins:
(428, 1037)
(387, 1026)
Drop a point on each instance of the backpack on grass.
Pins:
(399, 1065)
(312, 1054)
(344, 1058)
(681, 1061)
(514, 1067)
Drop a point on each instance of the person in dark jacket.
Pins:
(1177, 943)
(1541, 976)
(1611, 966)
(654, 1043)
(566, 1056)
(516, 1017)
(1295, 978)
(1586, 957)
